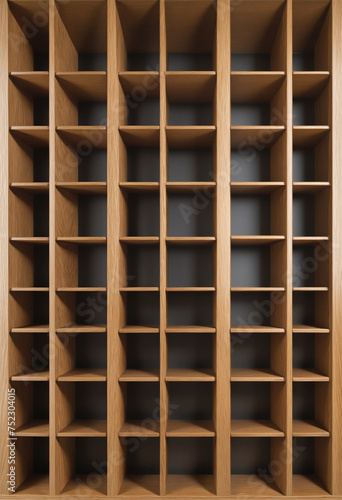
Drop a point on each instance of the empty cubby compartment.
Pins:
(36, 261)
(190, 350)
(92, 113)
(142, 110)
(195, 52)
(249, 165)
(142, 456)
(33, 398)
(190, 266)
(140, 32)
(92, 215)
(32, 353)
(190, 165)
(250, 350)
(142, 350)
(143, 214)
(29, 37)
(29, 308)
(86, 400)
(255, 309)
(190, 456)
(142, 308)
(303, 351)
(143, 164)
(250, 114)
(311, 308)
(311, 265)
(41, 165)
(250, 215)
(142, 401)
(250, 266)
(142, 265)
(190, 214)
(92, 62)
(304, 165)
(304, 401)
(92, 266)
(190, 400)
(86, 308)
(32, 465)
(92, 166)
(190, 308)
(90, 350)
(192, 113)
(309, 458)
(251, 400)
(306, 207)
(256, 34)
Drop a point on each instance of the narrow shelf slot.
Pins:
(34, 428)
(255, 86)
(190, 86)
(84, 375)
(84, 85)
(255, 375)
(305, 375)
(84, 428)
(37, 376)
(308, 428)
(147, 136)
(256, 240)
(308, 136)
(93, 135)
(190, 428)
(34, 136)
(30, 187)
(83, 240)
(34, 82)
(255, 187)
(255, 428)
(30, 240)
(138, 428)
(187, 136)
(309, 84)
(131, 375)
(244, 136)
(189, 375)
(83, 187)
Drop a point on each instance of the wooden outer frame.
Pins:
(222, 401)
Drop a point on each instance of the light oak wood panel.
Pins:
(256, 240)
(255, 375)
(263, 485)
(255, 86)
(190, 428)
(84, 375)
(309, 84)
(187, 136)
(309, 329)
(190, 329)
(189, 375)
(256, 329)
(30, 187)
(31, 329)
(309, 240)
(83, 240)
(255, 428)
(84, 85)
(34, 136)
(140, 240)
(84, 428)
(307, 486)
(255, 187)
(138, 485)
(35, 83)
(30, 240)
(140, 135)
(307, 23)
(309, 187)
(82, 329)
(247, 136)
(308, 136)
(130, 375)
(136, 187)
(257, 289)
(147, 82)
(93, 136)
(37, 484)
(138, 329)
(308, 428)
(78, 485)
(304, 375)
(34, 428)
(83, 187)
(42, 376)
(180, 187)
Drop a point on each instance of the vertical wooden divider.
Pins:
(222, 228)
(163, 248)
(336, 245)
(54, 487)
(4, 282)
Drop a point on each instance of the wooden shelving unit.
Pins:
(171, 268)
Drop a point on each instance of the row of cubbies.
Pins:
(258, 244)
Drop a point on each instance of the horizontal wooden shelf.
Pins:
(255, 187)
(34, 136)
(93, 135)
(42, 376)
(190, 86)
(83, 240)
(245, 136)
(255, 428)
(190, 289)
(30, 187)
(189, 375)
(190, 428)
(243, 487)
(257, 289)
(255, 86)
(181, 187)
(30, 240)
(136, 187)
(140, 240)
(309, 187)
(256, 240)
(84, 85)
(190, 136)
(138, 485)
(304, 375)
(256, 329)
(309, 329)
(31, 329)
(84, 428)
(34, 428)
(147, 80)
(25, 289)
(139, 329)
(190, 329)
(190, 240)
(309, 84)
(35, 83)
(309, 240)
(196, 486)
(130, 375)
(89, 289)
(308, 136)
(36, 484)
(310, 288)
(146, 136)
(84, 375)
(82, 329)
(139, 428)
(255, 375)
(308, 428)
(308, 486)
(139, 289)
(83, 187)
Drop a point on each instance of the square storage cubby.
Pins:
(142, 265)
(142, 403)
(143, 214)
(190, 35)
(190, 401)
(142, 350)
(251, 166)
(85, 42)
(306, 207)
(142, 308)
(251, 215)
(92, 167)
(32, 407)
(143, 164)
(309, 308)
(310, 162)
(86, 473)
(253, 401)
(190, 165)
(190, 350)
(30, 308)
(81, 308)
(35, 205)
(257, 35)
(190, 308)
(190, 214)
(140, 35)
(310, 110)
(30, 354)
(310, 40)
(308, 464)
(307, 364)
(311, 265)
(141, 94)
(29, 36)
(190, 266)
(32, 465)
(32, 100)
(251, 266)
(35, 258)
(251, 350)
(256, 309)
